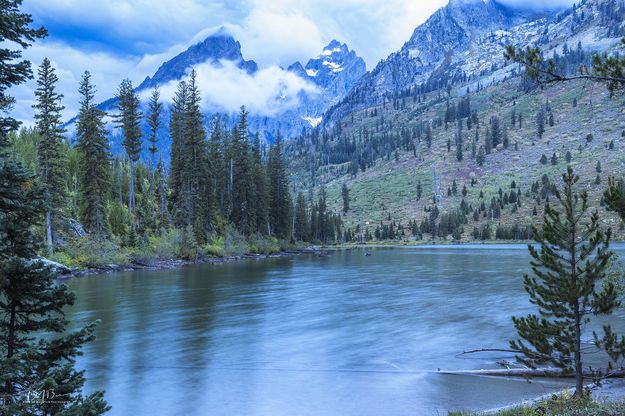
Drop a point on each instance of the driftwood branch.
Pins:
(550, 372)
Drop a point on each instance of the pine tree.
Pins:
(31, 303)
(176, 132)
(481, 156)
(129, 120)
(261, 189)
(540, 122)
(345, 196)
(242, 183)
(302, 226)
(51, 161)
(94, 163)
(572, 259)
(198, 198)
(419, 190)
(279, 198)
(155, 108)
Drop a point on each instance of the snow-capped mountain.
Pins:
(466, 39)
(328, 77)
(335, 72)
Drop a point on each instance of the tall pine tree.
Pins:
(31, 303)
(129, 120)
(279, 197)
(572, 259)
(94, 162)
(50, 152)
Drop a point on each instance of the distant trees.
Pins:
(571, 261)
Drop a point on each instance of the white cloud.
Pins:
(268, 92)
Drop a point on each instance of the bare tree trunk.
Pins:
(49, 232)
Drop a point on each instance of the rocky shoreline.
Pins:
(63, 272)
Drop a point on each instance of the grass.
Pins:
(389, 187)
(560, 405)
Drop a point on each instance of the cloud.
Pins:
(130, 27)
(270, 91)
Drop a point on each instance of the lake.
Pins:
(346, 334)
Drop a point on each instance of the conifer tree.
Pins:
(155, 108)
(572, 259)
(176, 132)
(129, 120)
(345, 196)
(198, 197)
(242, 183)
(261, 189)
(30, 302)
(279, 197)
(51, 161)
(94, 163)
(302, 225)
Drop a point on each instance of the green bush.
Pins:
(234, 242)
(264, 244)
(87, 252)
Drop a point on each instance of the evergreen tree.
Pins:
(345, 196)
(94, 163)
(176, 132)
(279, 198)
(261, 189)
(540, 122)
(129, 120)
(302, 226)
(31, 303)
(243, 198)
(155, 108)
(51, 160)
(198, 199)
(572, 259)
(481, 156)
(419, 190)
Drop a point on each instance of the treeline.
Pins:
(219, 181)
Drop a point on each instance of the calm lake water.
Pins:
(345, 334)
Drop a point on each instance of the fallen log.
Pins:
(550, 372)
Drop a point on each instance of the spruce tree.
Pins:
(176, 132)
(572, 259)
(242, 183)
(345, 196)
(31, 303)
(51, 160)
(94, 162)
(155, 108)
(279, 197)
(302, 224)
(261, 189)
(129, 120)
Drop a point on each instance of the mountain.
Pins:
(447, 138)
(330, 75)
(219, 46)
(440, 42)
(335, 72)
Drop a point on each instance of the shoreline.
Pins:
(610, 390)
(63, 272)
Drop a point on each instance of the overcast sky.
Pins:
(115, 39)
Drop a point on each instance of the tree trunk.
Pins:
(131, 192)
(579, 375)
(49, 232)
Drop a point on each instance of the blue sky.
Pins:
(115, 39)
